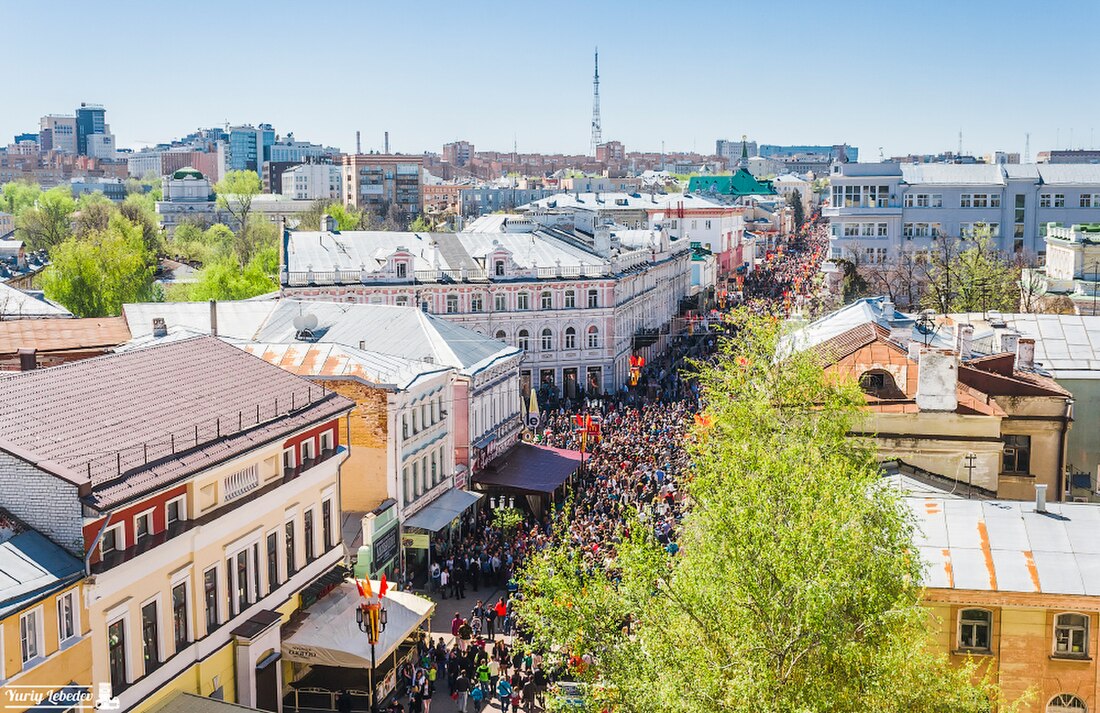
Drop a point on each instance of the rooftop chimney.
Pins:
(1040, 497)
(386, 150)
(213, 318)
(964, 340)
(1025, 353)
(887, 308)
(160, 329)
(27, 359)
(937, 380)
(1009, 341)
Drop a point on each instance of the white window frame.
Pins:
(328, 441)
(293, 458)
(66, 641)
(161, 650)
(35, 614)
(973, 622)
(113, 617)
(148, 530)
(182, 501)
(1045, 200)
(308, 445)
(1071, 629)
(183, 576)
(120, 539)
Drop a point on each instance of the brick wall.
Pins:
(43, 501)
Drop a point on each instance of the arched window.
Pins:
(452, 304)
(975, 627)
(570, 338)
(500, 335)
(1066, 703)
(547, 339)
(880, 384)
(523, 339)
(1071, 635)
(570, 299)
(546, 300)
(593, 337)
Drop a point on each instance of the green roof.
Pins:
(741, 183)
(187, 172)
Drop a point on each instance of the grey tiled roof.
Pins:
(124, 424)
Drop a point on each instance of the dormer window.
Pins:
(498, 268)
(402, 270)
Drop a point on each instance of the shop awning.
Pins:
(485, 440)
(529, 468)
(329, 636)
(334, 678)
(441, 511)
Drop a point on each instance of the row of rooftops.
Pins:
(949, 174)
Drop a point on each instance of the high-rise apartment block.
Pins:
(458, 153)
(376, 181)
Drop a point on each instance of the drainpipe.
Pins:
(95, 543)
(1067, 418)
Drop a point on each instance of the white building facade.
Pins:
(577, 307)
(313, 181)
(877, 210)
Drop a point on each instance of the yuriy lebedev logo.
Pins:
(69, 697)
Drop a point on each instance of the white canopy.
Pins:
(330, 636)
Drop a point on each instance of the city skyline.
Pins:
(490, 74)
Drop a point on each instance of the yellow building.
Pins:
(1016, 585)
(202, 485)
(45, 649)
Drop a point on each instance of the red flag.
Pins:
(359, 586)
(383, 586)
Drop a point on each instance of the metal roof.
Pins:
(31, 565)
(443, 510)
(17, 304)
(952, 174)
(238, 319)
(1070, 173)
(1006, 546)
(1066, 345)
(52, 335)
(339, 361)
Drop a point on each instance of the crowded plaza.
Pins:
(634, 465)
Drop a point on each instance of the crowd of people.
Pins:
(633, 472)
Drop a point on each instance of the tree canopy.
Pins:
(47, 222)
(93, 275)
(235, 194)
(225, 279)
(795, 587)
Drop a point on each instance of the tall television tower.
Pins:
(597, 139)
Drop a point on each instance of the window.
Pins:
(176, 510)
(179, 616)
(499, 303)
(547, 340)
(210, 597)
(29, 626)
(66, 617)
(546, 300)
(402, 270)
(1059, 200)
(401, 300)
(593, 337)
(593, 299)
(1066, 703)
(242, 581)
(500, 336)
(416, 419)
(851, 230)
(452, 304)
(498, 267)
(966, 200)
(883, 230)
(1071, 634)
(1044, 200)
(910, 200)
(435, 469)
(570, 299)
(523, 300)
(272, 561)
(150, 640)
(114, 540)
(116, 654)
(143, 525)
(288, 538)
(522, 339)
(1090, 200)
(570, 338)
(327, 441)
(307, 535)
(1017, 454)
(476, 304)
(975, 626)
(326, 524)
(309, 451)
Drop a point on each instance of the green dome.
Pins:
(187, 172)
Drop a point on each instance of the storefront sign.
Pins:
(385, 548)
(414, 541)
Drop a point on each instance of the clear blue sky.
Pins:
(901, 75)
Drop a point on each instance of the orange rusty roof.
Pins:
(58, 335)
(339, 361)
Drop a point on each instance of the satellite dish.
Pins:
(311, 322)
(305, 322)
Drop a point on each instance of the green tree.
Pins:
(971, 275)
(794, 200)
(137, 210)
(93, 276)
(17, 195)
(224, 279)
(235, 195)
(94, 211)
(421, 225)
(49, 221)
(795, 587)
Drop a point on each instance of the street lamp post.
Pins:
(371, 618)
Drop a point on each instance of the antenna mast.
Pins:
(597, 138)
